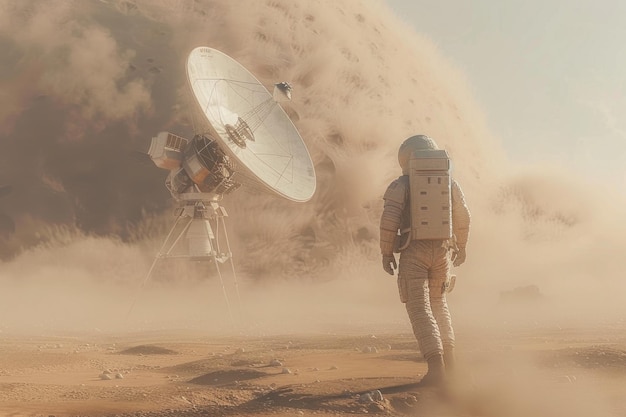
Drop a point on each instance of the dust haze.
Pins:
(85, 85)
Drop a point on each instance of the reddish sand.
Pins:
(181, 374)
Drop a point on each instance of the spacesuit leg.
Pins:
(414, 264)
(439, 275)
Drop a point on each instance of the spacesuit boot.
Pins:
(436, 374)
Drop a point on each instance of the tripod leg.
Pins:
(232, 264)
(219, 274)
(180, 235)
(157, 258)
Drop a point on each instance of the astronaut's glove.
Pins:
(389, 263)
(458, 257)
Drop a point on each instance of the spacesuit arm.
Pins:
(395, 199)
(460, 216)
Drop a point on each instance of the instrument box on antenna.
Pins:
(429, 184)
(166, 150)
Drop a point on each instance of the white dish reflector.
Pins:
(250, 125)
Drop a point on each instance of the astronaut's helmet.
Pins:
(414, 143)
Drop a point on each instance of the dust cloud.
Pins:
(92, 82)
(86, 84)
(89, 83)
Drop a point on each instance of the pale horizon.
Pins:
(549, 78)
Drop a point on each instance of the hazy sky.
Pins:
(550, 75)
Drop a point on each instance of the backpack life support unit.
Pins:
(430, 195)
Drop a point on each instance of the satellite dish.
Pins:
(250, 126)
(246, 138)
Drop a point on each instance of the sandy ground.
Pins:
(536, 371)
(85, 83)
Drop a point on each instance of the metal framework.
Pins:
(203, 225)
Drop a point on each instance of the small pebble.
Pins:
(276, 362)
(377, 395)
(366, 398)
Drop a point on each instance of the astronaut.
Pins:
(427, 247)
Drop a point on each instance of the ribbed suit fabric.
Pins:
(424, 267)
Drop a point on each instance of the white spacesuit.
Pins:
(425, 254)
